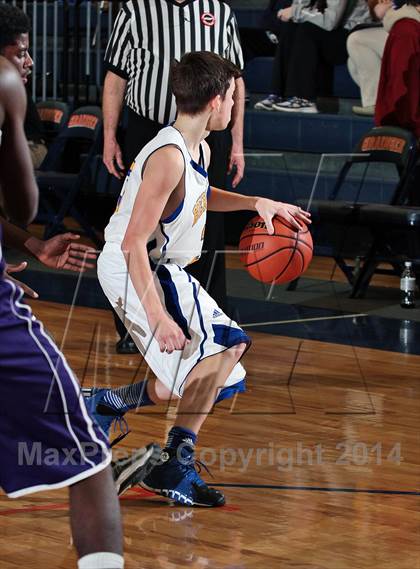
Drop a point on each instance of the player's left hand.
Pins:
(17, 269)
(60, 252)
(237, 161)
(296, 216)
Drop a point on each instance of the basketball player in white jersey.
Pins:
(189, 343)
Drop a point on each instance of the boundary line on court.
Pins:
(297, 321)
(144, 494)
(322, 489)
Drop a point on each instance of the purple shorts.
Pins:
(47, 438)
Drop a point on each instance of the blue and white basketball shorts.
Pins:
(47, 438)
(192, 308)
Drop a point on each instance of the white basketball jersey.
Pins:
(179, 237)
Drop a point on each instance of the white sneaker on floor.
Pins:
(267, 103)
(368, 111)
(296, 105)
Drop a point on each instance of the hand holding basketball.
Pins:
(268, 209)
(276, 249)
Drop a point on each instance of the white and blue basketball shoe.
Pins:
(177, 479)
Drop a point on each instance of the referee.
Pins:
(146, 38)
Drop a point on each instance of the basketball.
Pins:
(279, 258)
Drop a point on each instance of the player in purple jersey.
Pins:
(61, 251)
(47, 438)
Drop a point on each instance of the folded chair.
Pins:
(54, 116)
(355, 228)
(396, 238)
(66, 171)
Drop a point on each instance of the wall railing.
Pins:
(67, 43)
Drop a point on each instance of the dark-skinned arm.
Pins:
(17, 182)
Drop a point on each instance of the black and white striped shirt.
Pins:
(149, 34)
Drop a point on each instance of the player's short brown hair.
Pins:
(198, 78)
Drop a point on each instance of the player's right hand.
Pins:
(296, 216)
(112, 157)
(169, 335)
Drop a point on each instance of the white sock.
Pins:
(101, 560)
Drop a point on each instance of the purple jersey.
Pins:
(2, 262)
(47, 437)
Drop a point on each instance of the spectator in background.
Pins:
(365, 48)
(285, 34)
(320, 38)
(398, 102)
(14, 46)
(286, 31)
(261, 41)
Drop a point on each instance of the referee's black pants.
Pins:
(313, 47)
(210, 269)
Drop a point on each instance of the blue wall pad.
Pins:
(302, 133)
(288, 186)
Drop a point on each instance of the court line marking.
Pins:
(137, 494)
(318, 319)
(322, 489)
(146, 495)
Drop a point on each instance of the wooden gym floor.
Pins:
(319, 461)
